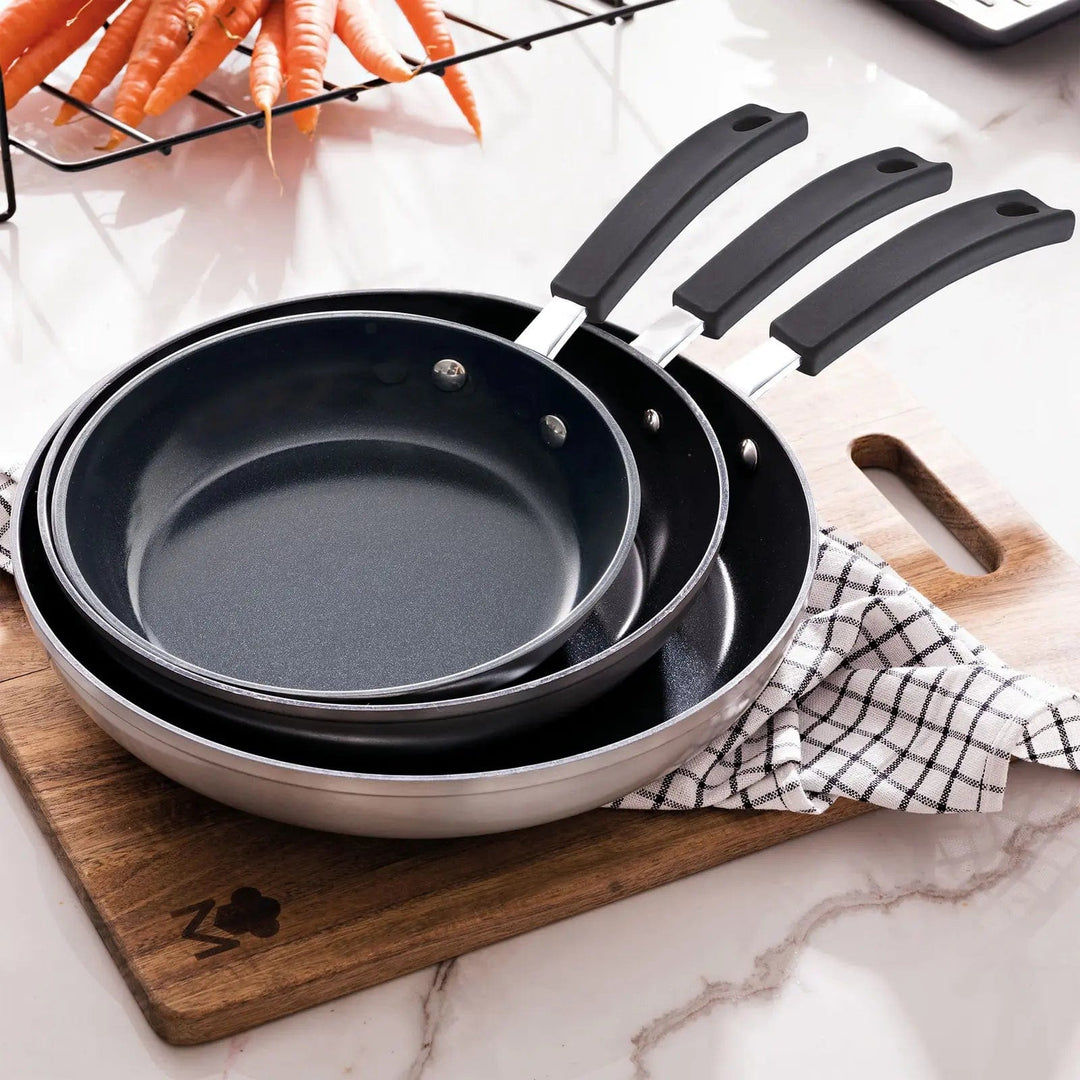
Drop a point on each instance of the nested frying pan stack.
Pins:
(430, 564)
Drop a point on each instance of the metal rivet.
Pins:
(449, 375)
(749, 454)
(653, 421)
(552, 431)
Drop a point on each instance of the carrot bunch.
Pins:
(166, 48)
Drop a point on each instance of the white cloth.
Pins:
(9, 477)
(881, 698)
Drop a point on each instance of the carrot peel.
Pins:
(431, 26)
(267, 74)
(309, 25)
(108, 57)
(195, 11)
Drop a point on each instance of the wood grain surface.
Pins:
(221, 921)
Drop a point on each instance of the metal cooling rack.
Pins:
(622, 10)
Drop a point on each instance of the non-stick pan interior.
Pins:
(297, 504)
(761, 576)
(678, 530)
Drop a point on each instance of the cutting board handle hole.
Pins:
(955, 534)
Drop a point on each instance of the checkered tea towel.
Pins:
(8, 479)
(881, 697)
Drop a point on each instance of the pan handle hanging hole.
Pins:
(653, 421)
(749, 123)
(1017, 209)
(449, 375)
(748, 451)
(553, 431)
(895, 165)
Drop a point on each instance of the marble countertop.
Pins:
(890, 946)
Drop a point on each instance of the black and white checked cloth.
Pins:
(8, 479)
(881, 698)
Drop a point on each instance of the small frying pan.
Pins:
(379, 505)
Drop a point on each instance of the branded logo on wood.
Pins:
(247, 912)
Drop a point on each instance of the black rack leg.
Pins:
(5, 158)
(619, 4)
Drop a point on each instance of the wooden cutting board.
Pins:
(220, 921)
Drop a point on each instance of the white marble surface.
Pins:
(890, 946)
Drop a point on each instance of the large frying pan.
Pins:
(702, 677)
(380, 505)
(688, 695)
(671, 537)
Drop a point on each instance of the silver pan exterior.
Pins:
(428, 806)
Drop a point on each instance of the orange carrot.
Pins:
(53, 49)
(267, 74)
(309, 25)
(197, 10)
(24, 22)
(105, 62)
(160, 40)
(430, 25)
(359, 27)
(213, 41)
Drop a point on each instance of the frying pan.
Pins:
(679, 702)
(677, 549)
(378, 505)
(652, 721)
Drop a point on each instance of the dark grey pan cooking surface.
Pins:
(330, 503)
(246, 574)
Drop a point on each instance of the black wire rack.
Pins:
(622, 10)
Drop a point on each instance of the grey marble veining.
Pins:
(890, 946)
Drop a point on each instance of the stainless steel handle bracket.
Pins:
(667, 336)
(761, 369)
(552, 327)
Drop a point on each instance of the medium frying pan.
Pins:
(674, 546)
(378, 505)
(683, 699)
(813, 334)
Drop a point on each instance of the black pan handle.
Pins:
(674, 191)
(913, 265)
(794, 233)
